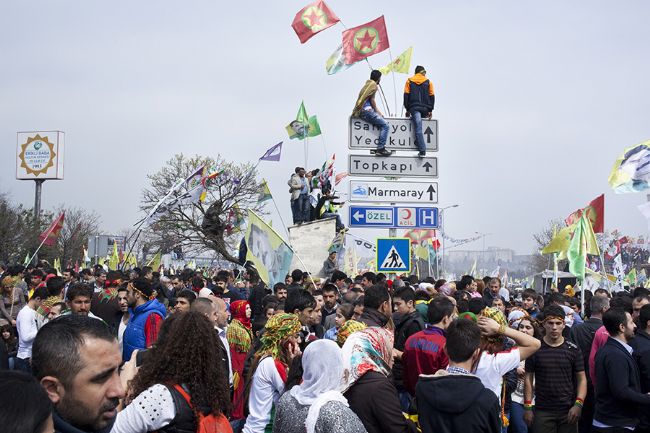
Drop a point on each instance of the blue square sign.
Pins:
(393, 255)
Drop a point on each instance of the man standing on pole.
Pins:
(418, 102)
(366, 109)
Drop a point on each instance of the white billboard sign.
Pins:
(39, 155)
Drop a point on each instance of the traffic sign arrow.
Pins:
(392, 166)
(428, 132)
(401, 134)
(431, 191)
(358, 216)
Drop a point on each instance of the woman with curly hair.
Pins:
(185, 365)
(240, 337)
(269, 370)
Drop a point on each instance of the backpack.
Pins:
(205, 423)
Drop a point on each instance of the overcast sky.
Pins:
(535, 100)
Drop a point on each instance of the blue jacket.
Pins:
(134, 337)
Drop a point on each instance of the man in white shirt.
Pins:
(27, 324)
(124, 307)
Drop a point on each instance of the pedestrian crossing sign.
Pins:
(393, 255)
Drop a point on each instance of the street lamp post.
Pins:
(442, 229)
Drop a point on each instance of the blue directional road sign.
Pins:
(393, 255)
(399, 217)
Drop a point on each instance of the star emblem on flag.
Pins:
(366, 40)
(314, 18)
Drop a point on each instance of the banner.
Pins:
(268, 252)
(49, 236)
(365, 40)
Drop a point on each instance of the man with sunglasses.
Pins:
(148, 315)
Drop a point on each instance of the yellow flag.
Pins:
(268, 252)
(560, 241)
(401, 64)
(57, 266)
(155, 262)
(114, 259)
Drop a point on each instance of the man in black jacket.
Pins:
(618, 383)
(407, 322)
(454, 400)
(419, 100)
(582, 334)
(641, 354)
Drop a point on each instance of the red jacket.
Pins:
(423, 354)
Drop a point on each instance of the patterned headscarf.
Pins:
(279, 327)
(370, 349)
(496, 315)
(349, 327)
(238, 312)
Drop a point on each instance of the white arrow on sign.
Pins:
(393, 192)
(392, 166)
(401, 135)
(357, 215)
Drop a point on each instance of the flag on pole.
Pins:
(582, 243)
(336, 62)
(49, 236)
(313, 18)
(154, 263)
(595, 211)
(631, 277)
(114, 258)
(192, 183)
(472, 270)
(304, 126)
(495, 273)
(268, 252)
(273, 154)
(401, 64)
(265, 193)
(26, 261)
(631, 171)
(559, 242)
(619, 273)
(57, 265)
(365, 40)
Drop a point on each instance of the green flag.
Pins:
(631, 277)
(304, 126)
(582, 243)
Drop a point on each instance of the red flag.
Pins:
(313, 18)
(48, 237)
(595, 211)
(436, 244)
(365, 40)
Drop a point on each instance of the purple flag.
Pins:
(273, 154)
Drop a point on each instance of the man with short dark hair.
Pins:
(419, 100)
(424, 351)
(79, 299)
(368, 279)
(491, 292)
(280, 291)
(184, 301)
(27, 325)
(366, 109)
(377, 307)
(148, 314)
(100, 279)
(407, 323)
(330, 305)
(299, 190)
(454, 399)
(123, 303)
(637, 303)
(296, 281)
(557, 370)
(618, 384)
(77, 361)
(338, 279)
(302, 304)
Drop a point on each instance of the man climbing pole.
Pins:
(418, 102)
(366, 109)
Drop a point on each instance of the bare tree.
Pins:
(199, 227)
(542, 238)
(78, 225)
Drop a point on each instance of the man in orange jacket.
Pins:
(418, 101)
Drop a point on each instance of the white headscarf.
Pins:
(322, 364)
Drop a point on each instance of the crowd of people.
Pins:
(139, 351)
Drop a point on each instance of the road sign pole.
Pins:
(392, 233)
(37, 209)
